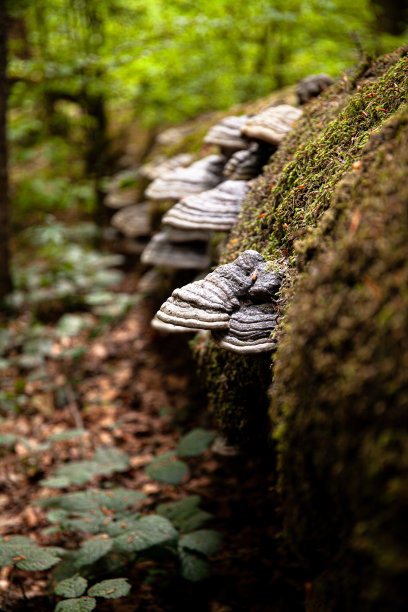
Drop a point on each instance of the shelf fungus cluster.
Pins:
(226, 134)
(216, 209)
(133, 221)
(235, 302)
(161, 164)
(245, 164)
(180, 256)
(272, 124)
(205, 197)
(122, 190)
(173, 185)
(312, 86)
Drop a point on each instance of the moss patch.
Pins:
(298, 184)
(341, 389)
(237, 393)
(287, 202)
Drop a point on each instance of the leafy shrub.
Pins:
(25, 554)
(120, 534)
(168, 468)
(105, 462)
(75, 587)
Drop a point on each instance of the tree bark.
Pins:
(5, 276)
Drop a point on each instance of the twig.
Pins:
(72, 404)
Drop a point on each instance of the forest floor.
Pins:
(137, 391)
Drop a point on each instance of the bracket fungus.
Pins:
(312, 86)
(234, 302)
(182, 256)
(272, 124)
(122, 190)
(120, 199)
(247, 163)
(203, 174)
(213, 210)
(227, 134)
(133, 221)
(168, 328)
(162, 164)
(249, 329)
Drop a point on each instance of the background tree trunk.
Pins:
(5, 277)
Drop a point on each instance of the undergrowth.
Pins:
(107, 533)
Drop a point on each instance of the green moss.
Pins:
(341, 389)
(298, 184)
(287, 202)
(237, 393)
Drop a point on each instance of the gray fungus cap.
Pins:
(235, 301)
(227, 133)
(173, 185)
(272, 124)
(247, 164)
(133, 221)
(312, 86)
(184, 256)
(216, 209)
(249, 330)
(162, 164)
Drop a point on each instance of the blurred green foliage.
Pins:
(79, 68)
(174, 59)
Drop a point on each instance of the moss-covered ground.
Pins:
(331, 210)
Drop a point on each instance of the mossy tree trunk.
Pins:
(5, 276)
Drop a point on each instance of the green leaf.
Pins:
(68, 434)
(7, 439)
(205, 541)
(6, 555)
(56, 482)
(105, 462)
(99, 297)
(83, 604)
(194, 443)
(23, 552)
(71, 587)
(15, 541)
(193, 567)
(36, 559)
(111, 460)
(167, 468)
(57, 516)
(75, 472)
(104, 278)
(72, 325)
(123, 525)
(111, 589)
(92, 550)
(150, 531)
(83, 501)
(185, 514)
